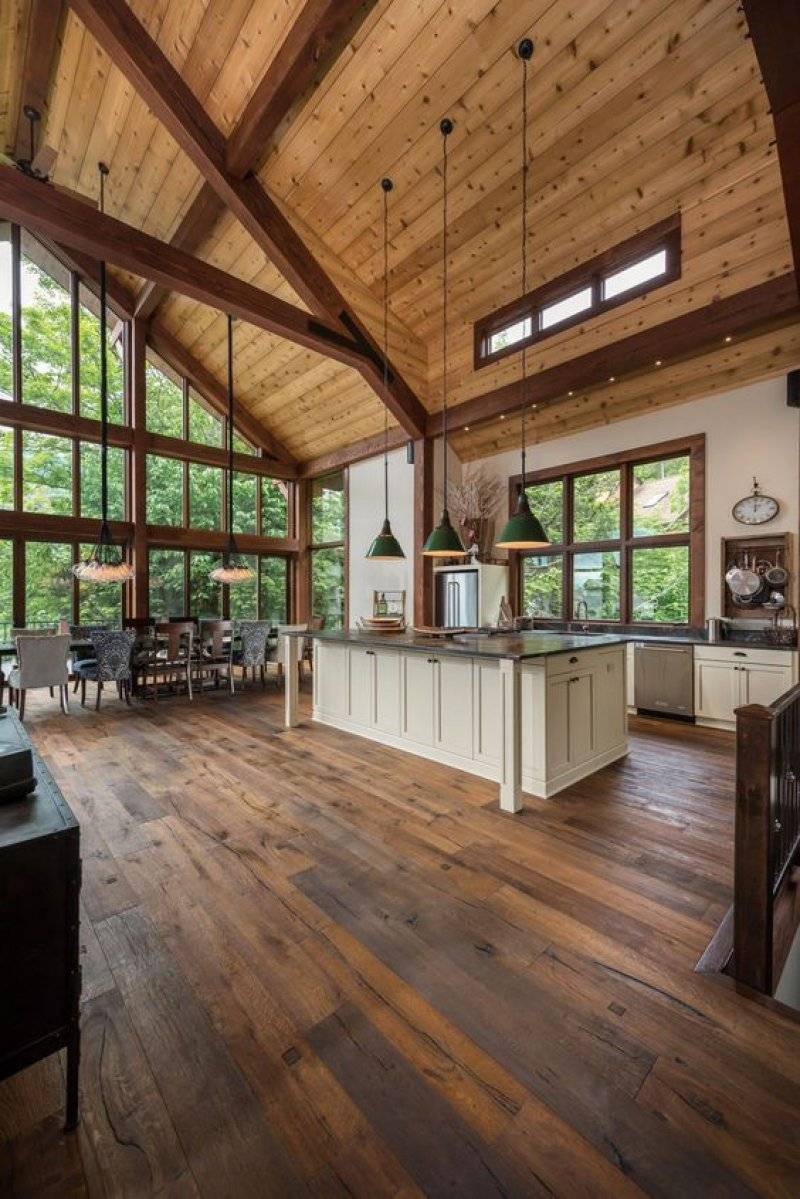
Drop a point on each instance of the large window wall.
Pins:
(50, 466)
(626, 539)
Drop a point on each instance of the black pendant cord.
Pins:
(525, 53)
(231, 543)
(386, 185)
(103, 169)
(446, 128)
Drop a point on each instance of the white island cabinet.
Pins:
(534, 712)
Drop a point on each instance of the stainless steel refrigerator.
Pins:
(457, 599)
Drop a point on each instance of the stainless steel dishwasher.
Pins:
(664, 678)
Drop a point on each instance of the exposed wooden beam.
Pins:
(119, 298)
(316, 38)
(45, 27)
(211, 455)
(69, 222)
(213, 539)
(212, 390)
(775, 29)
(113, 24)
(61, 424)
(676, 338)
(200, 216)
(346, 455)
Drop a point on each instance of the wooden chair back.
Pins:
(217, 638)
(138, 622)
(179, 638)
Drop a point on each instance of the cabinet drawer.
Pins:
(741, 655)
(581, 659)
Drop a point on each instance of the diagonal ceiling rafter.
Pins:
(115, 27)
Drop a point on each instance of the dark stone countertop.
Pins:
(519, 646)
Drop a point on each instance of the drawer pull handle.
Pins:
(371, 652)
(739, 653)
(575, 680)
(573, 659)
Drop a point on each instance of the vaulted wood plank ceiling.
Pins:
(638, 109)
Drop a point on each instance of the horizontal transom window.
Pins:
(650, 259)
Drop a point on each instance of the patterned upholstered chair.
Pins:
(252, 651)
(83, 632)
(113, 649)
(41, 662)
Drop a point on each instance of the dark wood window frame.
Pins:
(665, 235)
(18, 526)
(625, 460)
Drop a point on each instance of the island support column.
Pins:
(291, 680)
(511, 758)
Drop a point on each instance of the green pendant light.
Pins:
(385, 547)
(444, 541)
(523, 530)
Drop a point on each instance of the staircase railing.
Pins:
(766, 905)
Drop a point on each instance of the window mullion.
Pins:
(75, 340)
(16, 315)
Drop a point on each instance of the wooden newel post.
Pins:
(752, 900)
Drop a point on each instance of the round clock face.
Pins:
(755, 509)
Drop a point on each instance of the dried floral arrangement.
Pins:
(477, 497)
(473, 504)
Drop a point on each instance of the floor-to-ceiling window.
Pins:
(328, 533)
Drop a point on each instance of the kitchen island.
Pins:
(534, 711)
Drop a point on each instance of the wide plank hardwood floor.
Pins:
(313, 965)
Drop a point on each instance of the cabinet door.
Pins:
(764, 684)
(359, 685)
(581, 718)
(558, 723)
(387, 691)
(418, 698)
(609, 706)
(487, 712)
(717, 689)
(330, 678)
(454, 705)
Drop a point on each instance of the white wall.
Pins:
(366, 511)
(749, 431)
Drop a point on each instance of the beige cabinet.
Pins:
(453, 705)
(330, 679)
(361, 665)
(726, 678)
(418, 697)
(571, 720)
(386, 676)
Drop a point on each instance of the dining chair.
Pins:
(41, 662)
(44, 631)
(82, 632)
(252, 651)
(112, 663)
(215, 657)
(169, 654)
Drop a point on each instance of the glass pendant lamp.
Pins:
(385, 547)
(523, 530)
(105, 563)
(232, 569)
(444, 541)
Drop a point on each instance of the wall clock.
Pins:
(755, 509)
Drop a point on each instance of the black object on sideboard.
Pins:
(40, 879)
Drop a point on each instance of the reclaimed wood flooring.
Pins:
(316, 966)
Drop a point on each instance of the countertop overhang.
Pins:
(518, 646)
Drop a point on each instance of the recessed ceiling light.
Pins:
(534, 405)
(658, 362)
(570, 393)
(611, 378)
(729, 338)
(466, 428)
(502, 416)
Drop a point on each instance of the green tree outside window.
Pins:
(166, 583)
(164, 403)
(46, 473)
(90, 481)
(274, 508)
(273, 588)
(48, 582)
(205, 496)
(164, 490)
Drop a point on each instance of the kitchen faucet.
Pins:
(582, 604)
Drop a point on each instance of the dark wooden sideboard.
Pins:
(40, 878)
